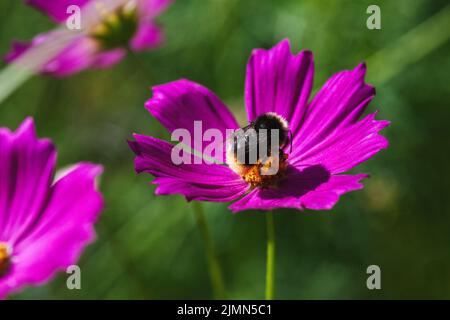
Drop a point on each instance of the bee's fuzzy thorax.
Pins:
(280, 118)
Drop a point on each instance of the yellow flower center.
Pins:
(5, 258)
(260, 174)
(117, 28)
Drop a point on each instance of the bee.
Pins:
(253, 149)
(4, 258)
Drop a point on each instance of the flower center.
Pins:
(117, 28)
(260, 174)
(5, 258)
(263, 174)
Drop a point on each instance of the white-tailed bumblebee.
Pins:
(256, 151)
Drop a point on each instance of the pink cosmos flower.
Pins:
(44, 225)
(131, 27)
(329, 138)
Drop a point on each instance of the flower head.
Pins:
(328, 136)
(130, 27)
(44, 225)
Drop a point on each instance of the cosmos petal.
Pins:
(153, 8)
(17, 49)
(338, 104)
(147, 36)
(177, 105)
(287, 194)
(105, 59)
(312, 188)
(200, 191)
(78, 55)
(57, 238)
(346, 148)
(208, 182)
(4, 289)
(328, 193)
(278, 81)
(26, 171)
(56, 9)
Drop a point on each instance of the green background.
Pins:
(149, 247)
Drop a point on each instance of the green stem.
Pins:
(270, 260)
(215, 272)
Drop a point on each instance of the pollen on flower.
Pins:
(5, 259)
(258, 175)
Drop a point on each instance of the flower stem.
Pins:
(270, 259)
(215, 272)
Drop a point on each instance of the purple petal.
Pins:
(56, 239)
(280, 82)
(153, 8)
(312, 188)
(26, 170)
(83, 53)
(347, 147)
(109, 58)
(56, 9)
(178, 104)
(46, 226)
(207, 182)
(148, 36)
(327, 194)
(79, 55)
(200, 191)
(338, 104)
(18, 48)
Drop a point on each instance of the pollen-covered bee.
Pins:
(4, 258)
(256, 152)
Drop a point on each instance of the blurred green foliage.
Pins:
(149, 247)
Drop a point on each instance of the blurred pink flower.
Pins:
(44, 225)
(131, 27)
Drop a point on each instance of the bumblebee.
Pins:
(254, 150)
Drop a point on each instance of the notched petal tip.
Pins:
(306, 54)
(159, 92)
(26, 134)
(279, 81)
(134, 146)
(360, 72)
(283, 47)
(27, 125)
(361, 67)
